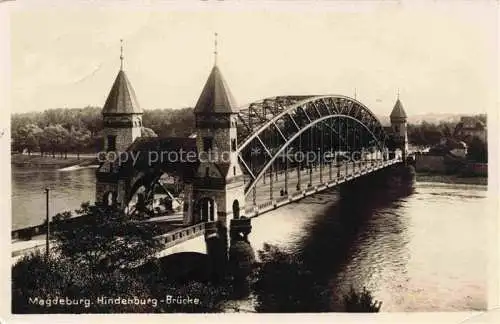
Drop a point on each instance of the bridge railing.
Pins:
(182, 234)
(28, 232)
(266, 204)
(282, 198)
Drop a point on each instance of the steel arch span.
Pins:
(330, 123)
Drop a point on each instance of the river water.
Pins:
(425, 250)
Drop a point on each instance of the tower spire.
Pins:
(215, 48)
(398, 93)
(121, 54)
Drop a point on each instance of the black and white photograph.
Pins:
(243, 157)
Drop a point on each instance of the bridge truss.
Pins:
(280, 133)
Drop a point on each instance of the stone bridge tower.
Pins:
(218, 187)
(122, 117)
(399, 127)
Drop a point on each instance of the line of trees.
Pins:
(65, 130)
(429, 134)
(51, 139)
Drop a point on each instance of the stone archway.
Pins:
(109, 198)
(206, 209)
(236, 209)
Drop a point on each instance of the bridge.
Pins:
(241, 161)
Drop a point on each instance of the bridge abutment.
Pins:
(228, 248)
(216, 240)
(241, 255)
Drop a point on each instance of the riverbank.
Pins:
(451, 178)
(23, 160)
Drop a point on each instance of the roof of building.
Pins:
(164, 144)
(454, 144)
(147, 132)
(223, 168)
(398, 110)
(174, 154)
(215, 97)
(121, 98)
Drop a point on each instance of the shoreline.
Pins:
(48, 162)
(450, 179)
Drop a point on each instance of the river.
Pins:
(421, 251)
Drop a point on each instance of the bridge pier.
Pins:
(217, 246)
(229, 252)
(310, 175)
(188, 217)
(271, 184)
(321, 172)
(241, 255)
(298, 178)
(286, 178)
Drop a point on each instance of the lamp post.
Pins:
(48, 223)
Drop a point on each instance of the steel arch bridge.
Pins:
(273, 130)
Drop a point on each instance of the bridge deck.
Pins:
(309, 185)
(176, 232)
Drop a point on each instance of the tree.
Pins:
(96, 256)
(106, 237)
(361, 302)
(284, 284)
(56, 137)
(478, 150)
(28, 137)
(45, 143)
(92, 119)
(79, 139)
(164, 122)
(38, 285)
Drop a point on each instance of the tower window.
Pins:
(207, 143)
(111, 143)
(234, 170)
(233, 144)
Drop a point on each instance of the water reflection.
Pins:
(68, 191)
(360, 214)
(417, 248)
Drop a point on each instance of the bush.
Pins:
(106, 234)
(284, 284)
(361, 302)
(36, 282)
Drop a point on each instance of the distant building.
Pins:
(452, 146)
(469, 127)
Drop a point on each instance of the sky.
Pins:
(442, 56)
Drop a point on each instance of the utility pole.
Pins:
(48, 223)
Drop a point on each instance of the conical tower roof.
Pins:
(121, 98)
(215, 97)
(398, 111)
